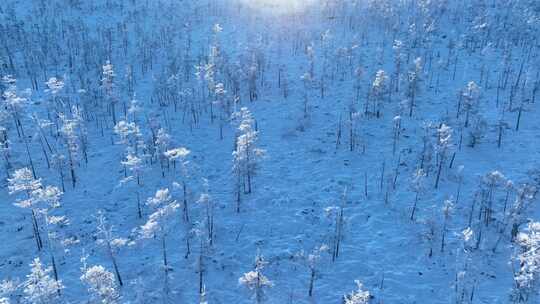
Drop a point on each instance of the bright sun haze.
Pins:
(279, 6)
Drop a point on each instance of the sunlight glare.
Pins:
(279, 6)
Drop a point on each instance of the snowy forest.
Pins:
(269, 151)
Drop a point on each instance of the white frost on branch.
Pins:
(529, 257)
(360, 296)
(40, 287)
(101, 285)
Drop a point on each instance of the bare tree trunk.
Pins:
(311, 281)
(115, 265)
(37, 235)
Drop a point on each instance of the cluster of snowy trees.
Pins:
(134, 100)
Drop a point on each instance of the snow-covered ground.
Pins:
(312, 66)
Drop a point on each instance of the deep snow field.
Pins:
(345, 157)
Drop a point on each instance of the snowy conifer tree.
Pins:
(470, 96)
(5, 143)
(47, 199)
(129, 134)
(207, 201)
(39, 287)
(179, 155)
(107, 83)
(360, 296)
(101, 285)
(465, 281)
(7, 290)
(69, 131)
(15, 102)
(246, 154)
(378, 91)
(414, 77)
(418, 186)
(135, 166)
(23, 181)
(162, 142)
(313, 259)
(528, 260)
(444, 144)
(255, 280)
(447, 209)
(112, 244)
(54, 87)
(159, 224)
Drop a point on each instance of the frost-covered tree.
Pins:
(465, 280)
(54, 87)
(159, 224)
(477, 131)
(470, 96)
(130, 136)
(253, 71)
(70, 132)
(39, 287)
(112, 244)
(15, 102)
(81, 130)
(101, 285)
(255, 280)
(359, 296)
(59, 163)
(379, 90)
(397, 132)
(427, 147)
(353, 123)
(47, 199)
(198, 231)
(223, 102)
(162, 142)
(413, 80)
(491, 182)
(5, 145)
(8, 289)
(23, 181)
(133, 109)
(246, 154)
(179, 156)
(397, 47)
(443, 146)
(312, 260)
(310, 53)
(208, 75)
(448, 207)
(135, 166)
(207, 201)
(107, 83)
(336, 220)
(41, 200)
(527, 269)
(418, 186)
